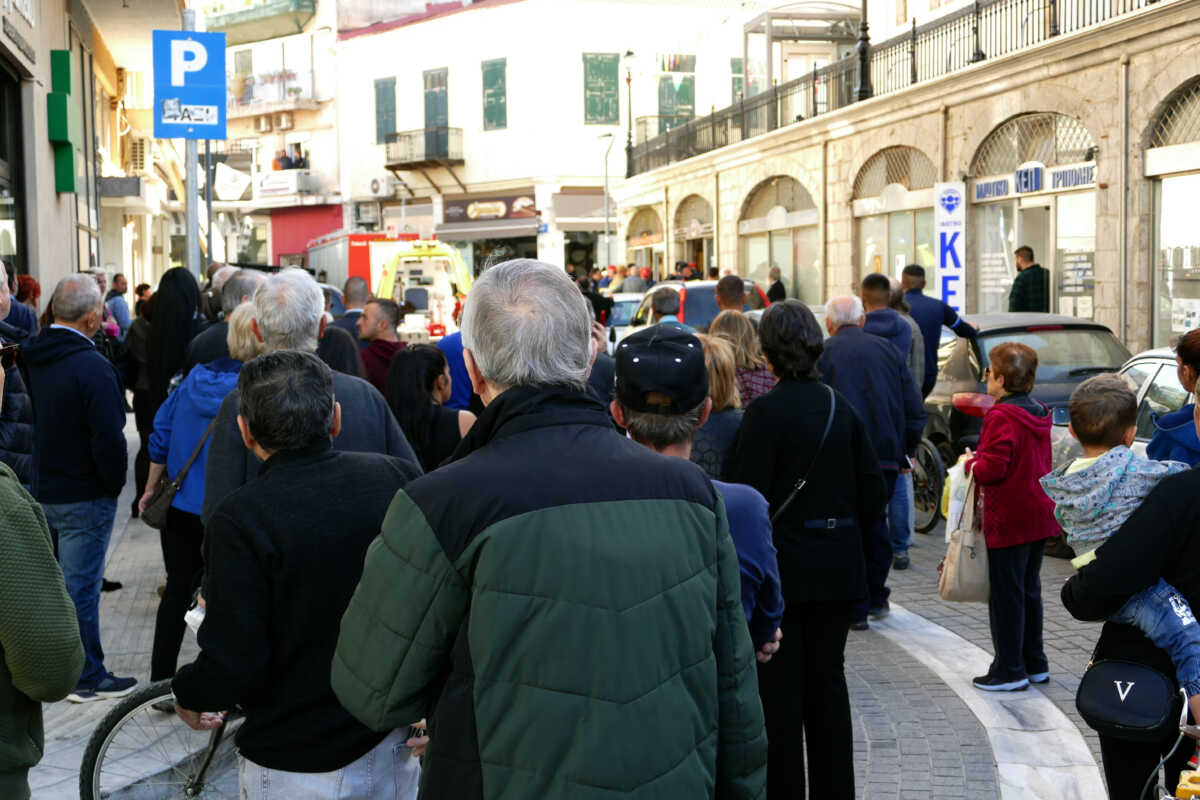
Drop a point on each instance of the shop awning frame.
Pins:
(494, 229)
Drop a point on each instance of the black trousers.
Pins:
(1015, 610)
(181, 539)
(143, 417)
(803, 688)
(1127, 765)
(879, 556)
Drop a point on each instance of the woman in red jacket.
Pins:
(1013, 453)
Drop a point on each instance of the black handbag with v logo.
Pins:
(1127, 700)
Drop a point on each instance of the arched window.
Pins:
(778, 228)
(644, 239)
(1049, 138)
(904, 166)
(694, 233)
(893, 210)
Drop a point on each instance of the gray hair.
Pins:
(288, 308)
(286, 398)
(243, 344)
(221, 277)
(243, 283)
(664, 301)
(526, 324)
(75, 296)
(660, 431)
(844, 310)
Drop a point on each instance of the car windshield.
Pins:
(1064, 353)
(622, 312)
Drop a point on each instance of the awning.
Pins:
(494, 229)
(583, 212)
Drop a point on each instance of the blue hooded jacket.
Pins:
(888, 324)
(1175, 437)
(182, 420)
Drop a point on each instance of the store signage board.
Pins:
(1034, 178)
(950, 226)
(189, 85)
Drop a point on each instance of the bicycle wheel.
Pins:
(140, 753)
(928, 479)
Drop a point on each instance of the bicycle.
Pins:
(140, 752)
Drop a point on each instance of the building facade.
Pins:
(1080, 141)
(70, 82)
(499, 143)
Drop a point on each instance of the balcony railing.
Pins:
(985, 30)
(646, 128)
(439, 146)
(245, 21)
(280, 89)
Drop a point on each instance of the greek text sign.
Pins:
(950, 227)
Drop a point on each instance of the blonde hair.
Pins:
(739, 332)
(722, 375)
(243, 344)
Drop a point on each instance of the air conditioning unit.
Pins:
(141, 154)
(263, 124)
(383, 186)
(284, 121)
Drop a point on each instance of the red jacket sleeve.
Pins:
(994, 454)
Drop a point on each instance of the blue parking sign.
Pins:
(189, 85)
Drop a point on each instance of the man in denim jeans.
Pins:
(79, 460)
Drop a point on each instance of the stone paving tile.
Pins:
(1068, 641)
(913, 737)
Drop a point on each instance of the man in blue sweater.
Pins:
(662, 398)
(931, 314)
(79, 460)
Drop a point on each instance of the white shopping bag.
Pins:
(958, 496)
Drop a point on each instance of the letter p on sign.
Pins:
(186, 56)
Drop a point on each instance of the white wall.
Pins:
(543, 41)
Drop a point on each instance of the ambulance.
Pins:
(430, 276)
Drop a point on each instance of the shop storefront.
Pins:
(694, 233)
(488, 230)
(579, 217)
(12, 207)
(644, 244)
(1034, 185)
(1173, 162)
(779, 228)
(893, 214)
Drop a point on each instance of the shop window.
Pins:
(1179, 122)
(495, 95)
(778, 228)
(385, 109)
(1075, 259)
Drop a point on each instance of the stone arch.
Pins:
(779, 191)
(1175, 120)
(645, 223)
(693, 207)
(900, 165)
(1048, 137)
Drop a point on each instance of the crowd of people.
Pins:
(409, 576)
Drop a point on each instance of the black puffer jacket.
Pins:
(16, 416)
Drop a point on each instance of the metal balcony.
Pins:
(427, 147)
(243, 22)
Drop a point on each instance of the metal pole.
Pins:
(191, 212)
(607, 235)
(208, 192)
(629, 113)
(864, 91)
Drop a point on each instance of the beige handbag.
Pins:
(964, 570)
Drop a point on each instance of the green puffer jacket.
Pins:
(564, 606)
(41, 656)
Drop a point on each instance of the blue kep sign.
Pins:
(950, 224)
(189, 85)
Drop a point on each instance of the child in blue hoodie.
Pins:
(1094, 495)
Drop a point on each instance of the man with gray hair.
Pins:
(537, 611)
(211, 343)
(289, 314)
(872, 375)
(79, 459)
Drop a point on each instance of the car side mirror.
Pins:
(973, 404)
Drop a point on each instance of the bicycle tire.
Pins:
(127, 709)
(929, 476)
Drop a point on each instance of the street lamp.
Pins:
(628, 60)
(607, 235)
(864, 91)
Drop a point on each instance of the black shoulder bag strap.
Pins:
(178, 479)
(800, 484)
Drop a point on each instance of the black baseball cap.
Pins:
(665, 359)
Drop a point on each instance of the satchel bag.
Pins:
(964, 570)
(155, 514)
(1127, 700)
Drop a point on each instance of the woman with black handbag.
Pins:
(1159, 541)
(806, 450)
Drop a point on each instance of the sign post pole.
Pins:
(208, 193)
(191, 189)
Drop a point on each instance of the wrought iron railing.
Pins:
(987, 29)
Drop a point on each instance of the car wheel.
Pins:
(929, 477)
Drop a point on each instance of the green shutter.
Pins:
(385, 109)
(601, 92)
(495, 95)
(738, 70)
